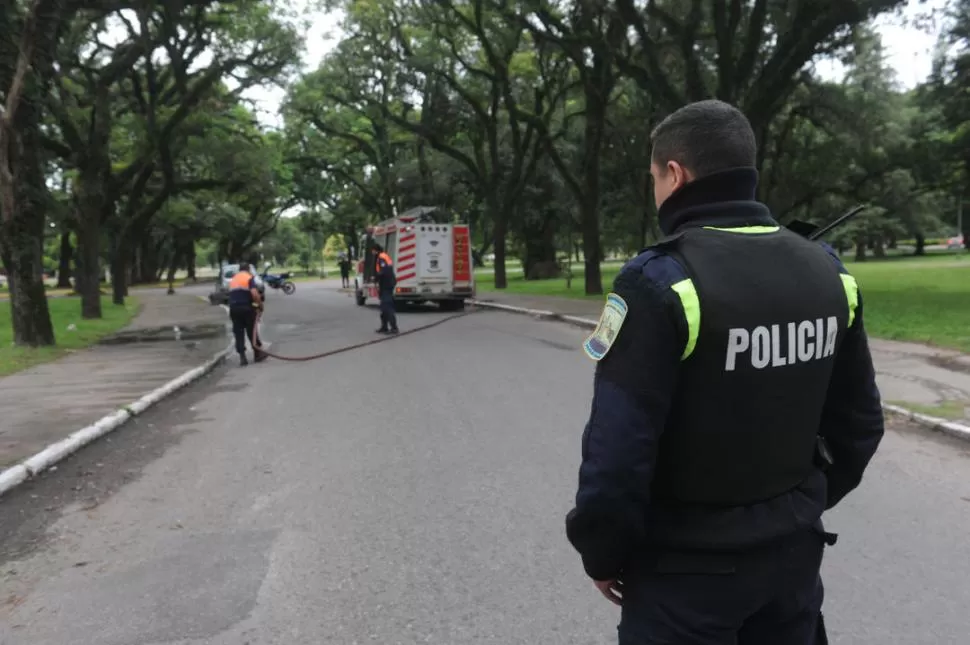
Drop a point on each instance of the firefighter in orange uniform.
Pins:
(386, 281)
(244, 301)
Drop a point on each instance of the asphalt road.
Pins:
(408, 492)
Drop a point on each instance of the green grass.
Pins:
(64, 313)
(924, 300)
(952, 410)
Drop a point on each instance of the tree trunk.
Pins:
(120, 270)
(597, 90)
(500, 223)
(26, 66)
(920, 244)
(190, 260)
(878, 249)
(148, 268)
(64, 261)
(89, 204)
(540, 262)
(172, 269)
(860, 251)
(22, 252)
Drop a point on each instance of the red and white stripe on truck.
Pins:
(461, 260)
(407, 245)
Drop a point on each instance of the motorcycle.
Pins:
(280, 281)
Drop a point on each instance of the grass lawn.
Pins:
(5, 295)
(924, 300)
(64, 313)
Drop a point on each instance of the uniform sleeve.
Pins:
(632, 391)
(852, 420)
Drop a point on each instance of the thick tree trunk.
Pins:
(860, 251)
(500, 222)
(26, 53)
(878, 248)
(147, 266)
(540, 261)
(64, 261)
(22, 252)
(87, 279)
(920, 244)
(23, 235)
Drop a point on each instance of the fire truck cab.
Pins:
(432, 261)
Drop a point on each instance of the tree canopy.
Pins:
(129, 150)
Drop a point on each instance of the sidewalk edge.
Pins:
(952, 428)
(32, 466)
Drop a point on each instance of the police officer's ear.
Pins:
(668, 178)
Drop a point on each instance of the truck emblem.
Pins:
(434, 242)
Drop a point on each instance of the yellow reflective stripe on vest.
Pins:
(851, 293)
(692, 312)
(746, 229)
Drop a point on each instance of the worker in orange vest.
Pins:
(244, 303)
(386, 281)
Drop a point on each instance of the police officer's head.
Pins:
(698, 140)
(244, 267)
(377, 248)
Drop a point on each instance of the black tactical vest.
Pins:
(744, 423)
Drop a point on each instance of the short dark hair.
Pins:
(377, 247)
(243, 266)
(705, 137)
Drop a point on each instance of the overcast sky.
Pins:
(909, 50)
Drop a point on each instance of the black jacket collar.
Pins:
(725, 198)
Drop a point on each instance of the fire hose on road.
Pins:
(340, 350)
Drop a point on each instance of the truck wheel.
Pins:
(361, 298)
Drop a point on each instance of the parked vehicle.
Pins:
(955, 242)
(280, 281)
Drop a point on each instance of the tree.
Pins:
(27, 43)
(468, 62)
(751, 54)
(121, 193)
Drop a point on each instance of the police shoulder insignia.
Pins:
(602, 338)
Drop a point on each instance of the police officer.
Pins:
(244, 302)
(386, 281)
(734, 400)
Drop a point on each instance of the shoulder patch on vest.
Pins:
(599, 342)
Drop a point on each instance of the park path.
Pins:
(930, 380)
(46, 403)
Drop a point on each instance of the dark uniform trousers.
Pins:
(388, 315)
(769, 596)
(243, 327)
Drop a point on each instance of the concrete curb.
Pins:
(952, 428)
(56, 452)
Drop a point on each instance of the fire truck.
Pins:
(432, 261)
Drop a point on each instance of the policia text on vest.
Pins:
(782, 345)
